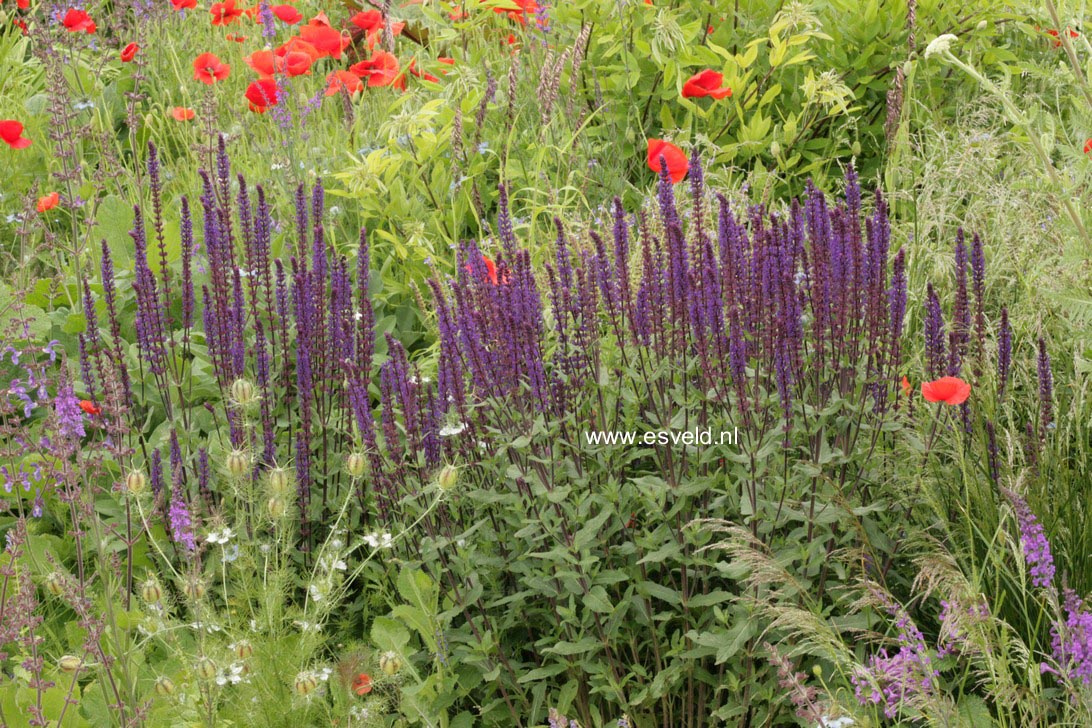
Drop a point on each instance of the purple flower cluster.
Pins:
(1033, 541)
(69, 415)
(771, 312)
(1071, 642)
(954, 619)
(892, 680)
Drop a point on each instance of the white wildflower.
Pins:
(451, 430)
(843, 722)
(940, 44)
(232, 674)
(221, 536)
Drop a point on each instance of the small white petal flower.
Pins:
(451, 430)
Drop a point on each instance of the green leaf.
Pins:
(388, 634)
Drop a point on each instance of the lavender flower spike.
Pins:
(1033, 541)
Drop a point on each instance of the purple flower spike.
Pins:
(1033, 541)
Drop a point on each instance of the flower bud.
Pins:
(305, 683)
(448, 477)
(69, 663)
(151, 592)
(775, 149)
(205, 668)
(244, 649)
(276, 507)
(856, 148)
(238, 463)
(135, 482)
(355, 464)
(817, 670)
(242, 392)
(54, 584)
(390, 663)
(279, 481)
(164, 686)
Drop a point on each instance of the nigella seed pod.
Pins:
(244, 649)
(69, 663)
(305, 683)
(164, 686)
(390, 663)
(355, 464)
(279, 482)
(276, 507)
(135, 483)
(243, 392)
(205, 668)
(54, 584)
(194, 589)
(237, 463)
(448, 477)
(151, 592)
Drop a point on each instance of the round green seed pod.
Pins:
(135, 482)
(205, 668)
(164, 686)
(237, 463)
(243, 392)
(305, 683)
(69, 663)
(355, 463)
(390, 663)
(151, 592)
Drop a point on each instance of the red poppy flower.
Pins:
(225, 13)
(371, 22)
(287, 14)
(297, 63)
(347, 80)
(181, 113)
(267, 63)
(22, 5)
(295, 44)
(1057, 42)
(326, 40)
(362, 684)
(520, 12)
(78, 21)
(262, 94)
(89, 407)
(207, 68)
(319, 21)
(381, 69)
(235, 38)
(705, 83)
(184, 4)
(129, 52)
(11, 133)
(423, 75)
(48, 202)
(677, 163)
(906, 386)
(490, 269)
(1088, 146)
(949, 390)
